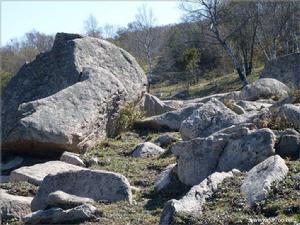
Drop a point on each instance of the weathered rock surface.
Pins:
(164, 140)
(239, 146)
(59, 216)
(154, 106)
(193, 201)
(11, 164)
(164, 179)
(285, 69)
(257, 184)
(250, 106)
(147, 149)
(64, 200)
(69, 97)
(289, 144)
(72, 158)
(93, 184)
(290, 114)
(264, 88)
(13, 206)
(36, 173)
(207, 119)
(170, 120)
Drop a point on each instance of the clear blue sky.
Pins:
(19, 17)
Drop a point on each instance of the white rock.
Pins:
(154, 106)
(72, 158)
(147, 149)
(257, 184)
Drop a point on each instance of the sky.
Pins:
(19, 17)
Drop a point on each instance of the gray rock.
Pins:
(72, 158)
(13, 206)
(257, 184)
(193, 201)
(154, 106)
(285, 69)
(36, 173)
(289, 144)
(59, 216)
(60, 199)
(170, 120)
(164, 179)
(164, 140)
(12, 163)
(68, 98)
(207, 119)
(250, 106)
(290, 114)
(147, 149)
(94, 184)
(240, 147)
(264, 88)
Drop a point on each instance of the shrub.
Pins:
(129, 114)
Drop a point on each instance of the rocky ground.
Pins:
(226, 158)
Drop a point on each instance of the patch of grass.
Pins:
(229, 206)
(209, 84)
(21, 188)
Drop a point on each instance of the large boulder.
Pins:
(169, 120)
(94, 184)
(289, 114)
(36, 173)
(153, 106)
(240, 147)
(285, 69)
(192, 203)
(59, 216)
(257, 184)
(69, 97)
(264, 88)
(209, 118)
(13, 206)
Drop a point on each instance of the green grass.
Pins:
(209, 84)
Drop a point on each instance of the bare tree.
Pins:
(109, 31)
(91, 27)
(144, 33)
(213, 14)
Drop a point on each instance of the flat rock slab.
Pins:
(13, 206)
(257, 184)
(35, 174)
(94, 184)
(59, 216)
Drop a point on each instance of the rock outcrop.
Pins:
(285, 69)
(194, 200)
(68, 98)
(94, 184)
(35, 174)
(257, 184)
(239, 146)
(207, 119)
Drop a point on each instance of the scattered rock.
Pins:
(264, 88)
(69, 102)
(289, 144)
(11, 164)
(72, 158)
(257, 184)
(240, 147)
(193, 201)
(207, 119)
(170, 120)
(285, 69)
(95, 184)
(147, 149)
(165, 178)
(36, 173)
(59, 216)
(13, 206)
(64, 200)
(154, 106)
(164, 140)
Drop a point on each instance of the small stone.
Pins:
(147, 149)
(72, 158)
